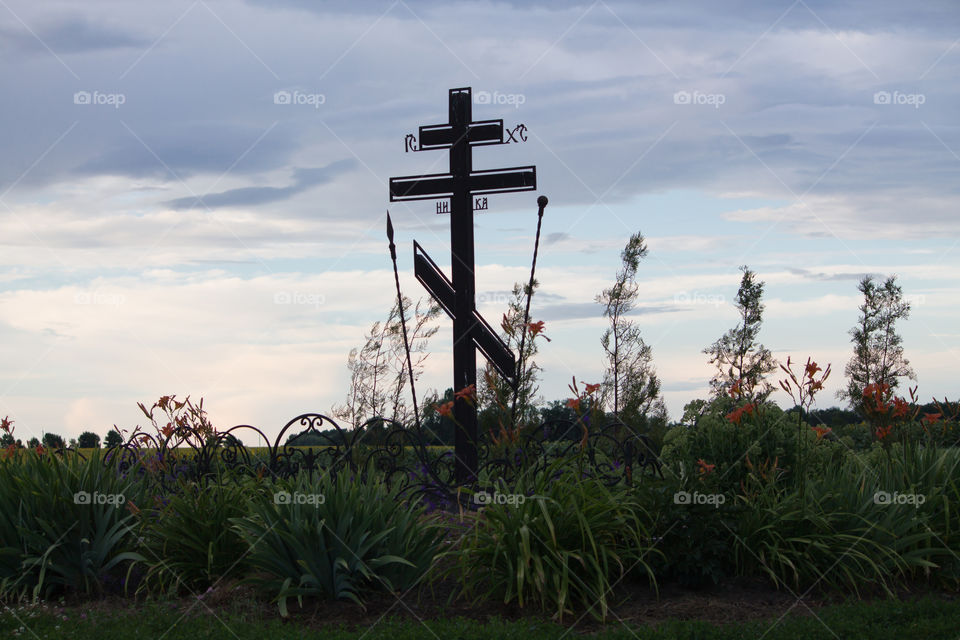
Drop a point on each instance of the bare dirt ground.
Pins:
(634, 604)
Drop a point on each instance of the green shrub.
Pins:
(766, 434)
(188, 542)
(556, 540)
(63, 525)
(695, 538)
(840, 534)
(336, 538)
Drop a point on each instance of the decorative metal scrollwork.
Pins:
(614, 453)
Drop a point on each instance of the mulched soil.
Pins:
(636, 604)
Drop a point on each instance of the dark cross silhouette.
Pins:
(458, 297)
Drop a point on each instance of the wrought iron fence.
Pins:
(615, 453)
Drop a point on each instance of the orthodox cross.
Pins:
(458, 296)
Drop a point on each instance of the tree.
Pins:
(877, 347)
(88, 440)
(739, 358)
(52, 441)
(113, 439)
(496, 414)
(630, 379)
(7, 439)
(33, 443)
(437, 429)
(378, 370)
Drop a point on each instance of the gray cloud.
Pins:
(188, 150)
(74, 34)
(303, 179)
(828, 277)
(586, 310)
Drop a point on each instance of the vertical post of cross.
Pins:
(457, 297)
(464, 284)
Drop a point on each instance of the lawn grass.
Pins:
(928, 618)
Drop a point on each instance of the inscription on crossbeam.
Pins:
(479, 133)
(479, 204)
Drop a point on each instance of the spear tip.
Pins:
(389, 228)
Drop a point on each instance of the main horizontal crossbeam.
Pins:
(443, 185)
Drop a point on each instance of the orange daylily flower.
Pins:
(467, 393)
(883, 432)
(11, 449)
(812, 368)
(574, 403)
(900, 408)
(40, 449)
(737, 414)
(704, 467)
(821, 431)
(133, 508)
(167, 431)
(445, 409)
(535, 327)
(590, 389)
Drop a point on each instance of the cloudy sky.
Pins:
(169, 226)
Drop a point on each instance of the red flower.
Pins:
(591, 389)
(132, 508)
(735, 389)
(883, 432)
(737, 414)
(40, 449)
(876, 389)
(812, 368)
(505, 325)
(467, 393)
(821, 431)
(445, 409)
(900, 408)
(930, 418)
(11, 449)
(704, 467)
(5, 425)
(167, 431)
(574, 403)
(535, 328)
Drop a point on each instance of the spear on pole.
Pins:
(403, 321)
(541, 204)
